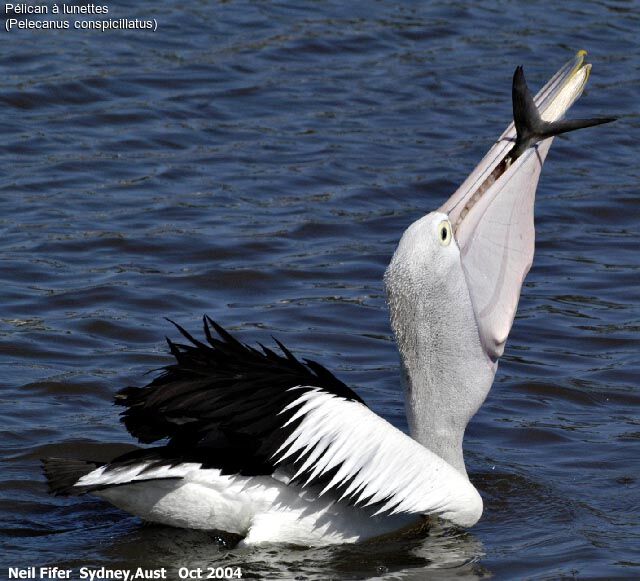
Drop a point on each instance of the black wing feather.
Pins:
(221, 403)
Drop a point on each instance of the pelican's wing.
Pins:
(244, 411)
(365, 460)
(492, 214)
(220, 399)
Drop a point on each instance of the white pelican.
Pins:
(274, 449)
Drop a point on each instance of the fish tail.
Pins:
(530, 128)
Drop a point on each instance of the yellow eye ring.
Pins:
(444, 232)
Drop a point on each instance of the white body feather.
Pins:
(388, 466)
(259, 508)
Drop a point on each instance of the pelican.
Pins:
(264, 445)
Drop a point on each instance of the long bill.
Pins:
(492, 211)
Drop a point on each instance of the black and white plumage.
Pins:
(263, 445)
(224, 397)
(228, 410)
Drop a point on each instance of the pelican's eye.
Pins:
(444, 232)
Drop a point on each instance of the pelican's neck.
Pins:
(445, 371)
(440, 401)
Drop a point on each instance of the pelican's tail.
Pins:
(530, 126)
(63, 473)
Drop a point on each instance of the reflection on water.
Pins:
(437, 554)
(259, 162)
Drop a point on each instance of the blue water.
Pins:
(258, 161)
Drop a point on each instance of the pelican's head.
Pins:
(424, 281)
(446, 372)
(454, 281)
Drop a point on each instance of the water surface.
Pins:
(258, 161)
